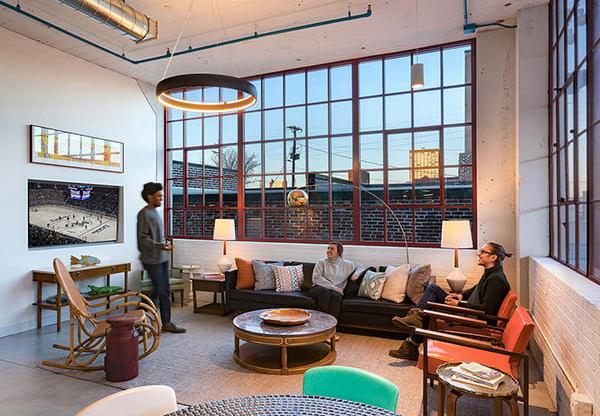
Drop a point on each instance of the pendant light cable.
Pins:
(185, 20)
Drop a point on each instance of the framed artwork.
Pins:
(73, 150)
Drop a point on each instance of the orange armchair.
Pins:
(440, 348)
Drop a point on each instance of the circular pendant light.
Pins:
(167, 85)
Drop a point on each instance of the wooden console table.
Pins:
(77, 273)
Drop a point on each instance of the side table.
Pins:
(507, 391)
(216, 284)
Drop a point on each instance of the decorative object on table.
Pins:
(224, 230)
(213, 276)
(103, 290)
(88, 333)
(62, 148)
(285, 316)
(456, 234)
(68, 213)
(84, 260)
(121, 359)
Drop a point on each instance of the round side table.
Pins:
(507, 391)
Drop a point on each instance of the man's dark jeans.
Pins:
(433, 293)
(328, 300)
(159, 274)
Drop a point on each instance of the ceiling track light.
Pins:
(176, 83)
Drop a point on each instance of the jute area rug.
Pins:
(200, 366)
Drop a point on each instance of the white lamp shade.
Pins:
(456, 234)
(224, 230)
(417, 78)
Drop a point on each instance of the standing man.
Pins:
(153, 252)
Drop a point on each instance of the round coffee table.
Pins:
(275, 349)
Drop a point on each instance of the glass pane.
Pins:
(427, 186)
(176, 194)
(295, 223)
(274, 191)
(561, 120)
(431, 70)
(194, 193)
(229, 94)
(230, 128)
(399, 150)
(458, 146)
(176, 224)
(570, 112)
(457, 105)
(428, 225)
(317, 85)
(370, 78)
(295, 122)
(582, 167)
(581, 30)
(211, 192)
(398, 111)
(295, 153)
(572, 243)
(253, 223)
(371, 151)
(211, 131)
(317, 120)
(211, 162)
(257, 84)
(252, 159)
(372, 187)
(427, 149)
(294, 89)
(457, 65)
(341, 117)
(571, 171)
(229, 161)
(342, 224)
(273, 124)
(175, 163)
(318, 155)
(175, 134)
(193, 132)
(193, 223)
(560, 11)
(341, 153)
(583, 228)
(319, 194)
(395, 232)
(341, 82)
(555, 232)
(295, 181)
(341, 193)
(194, 163)
(274, 220)
(273, 93)
(400, 187)
(427, 110)
(370, 114)
(570, 47)
(252, 129)
(458, 186)
(252, 187)
(318, 227)
(211, 94)
(562, 221)
(562, 175)
(397, 74)
(173, 114)
(274, 157)
(582, 99)
(371, 224)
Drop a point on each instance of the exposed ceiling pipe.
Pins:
(470, 27)
(119, 16)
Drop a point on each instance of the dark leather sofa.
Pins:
(357, 312)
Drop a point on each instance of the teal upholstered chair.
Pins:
(176, 282)
(349, 383)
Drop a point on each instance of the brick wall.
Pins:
(566, 310)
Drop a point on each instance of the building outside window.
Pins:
(330, 130)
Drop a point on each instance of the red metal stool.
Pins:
(121, 360)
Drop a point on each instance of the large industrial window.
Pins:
(352, 136)
(574, 134)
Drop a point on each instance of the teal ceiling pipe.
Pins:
(470, 27)
(256, 35)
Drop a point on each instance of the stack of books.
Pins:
(478, 375)
(213, 276)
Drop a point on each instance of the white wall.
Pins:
(43, 86)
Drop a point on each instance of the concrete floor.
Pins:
(27, 390)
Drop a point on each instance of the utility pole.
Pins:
(293, 155)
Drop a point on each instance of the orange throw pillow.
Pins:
(245, 274)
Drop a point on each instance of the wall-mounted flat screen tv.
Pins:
(65, 213)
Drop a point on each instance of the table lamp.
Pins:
(224, 230)
(456, 234)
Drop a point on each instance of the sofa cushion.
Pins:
(418, 278)
(370, 306)
(245, 274)
(288, 278)
(263, 274)
(396, 282)
(352, 286)
(372, 285)
(307, 269)
(272, 298)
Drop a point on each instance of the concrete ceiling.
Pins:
(391, 27)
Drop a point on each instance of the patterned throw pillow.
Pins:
(372, 285)
(288, 278)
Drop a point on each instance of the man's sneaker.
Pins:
(413, 319)
(407, 351)
(171, 327)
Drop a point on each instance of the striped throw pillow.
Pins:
(288, 278)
